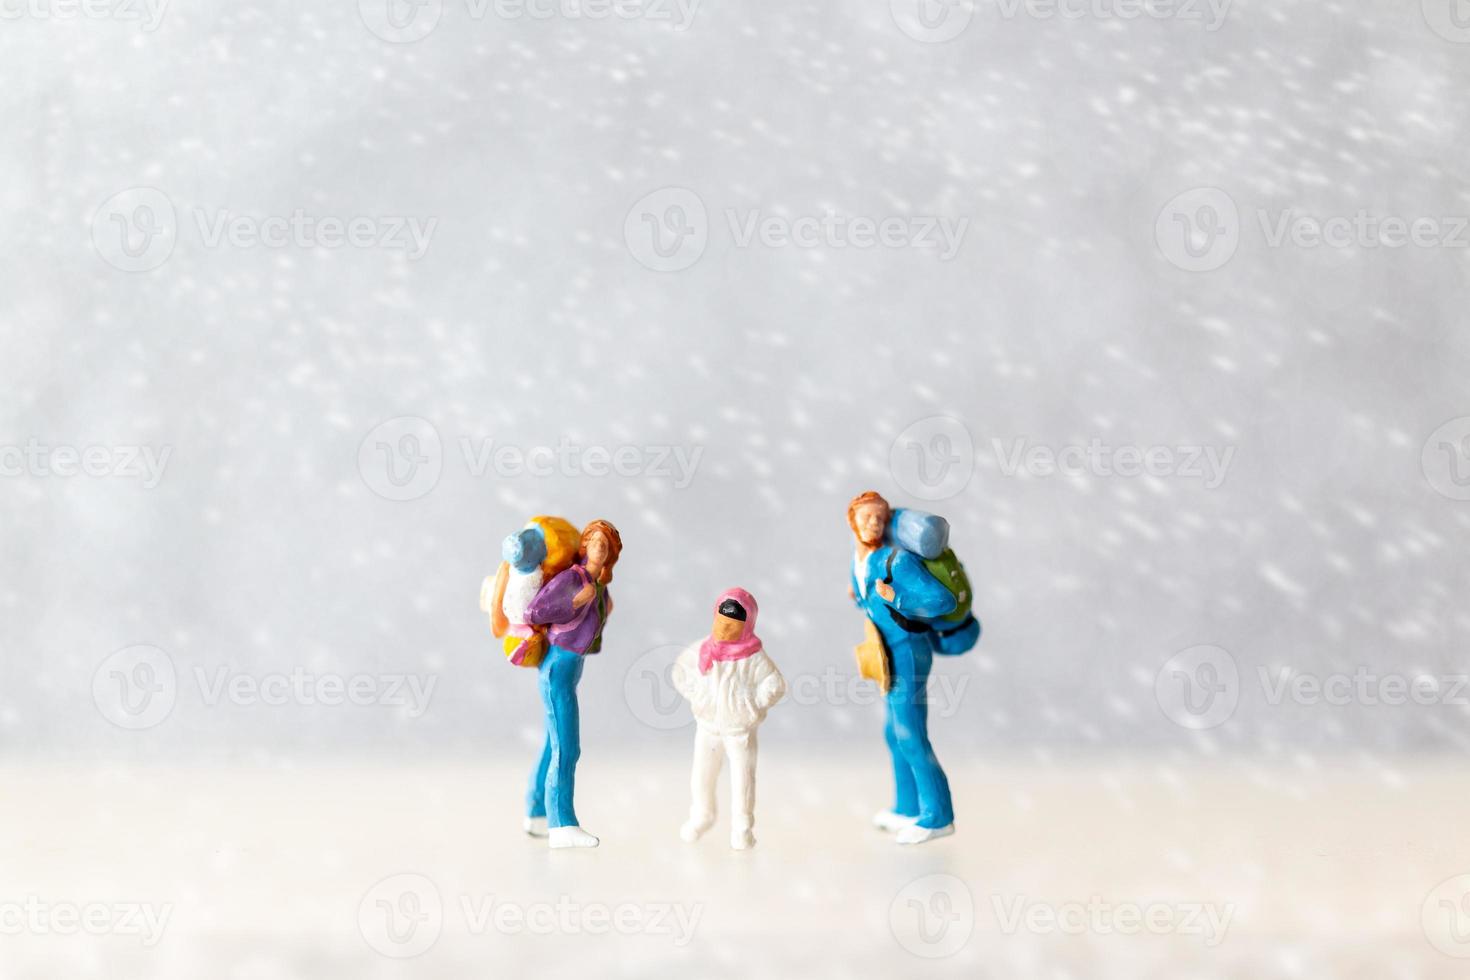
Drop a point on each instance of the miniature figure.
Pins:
(573, 606)
(917, 599)
(730, 684)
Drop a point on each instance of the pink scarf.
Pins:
(711, 649)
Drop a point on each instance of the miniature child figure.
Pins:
(575, 606)
(540, 551)
(730, 684)
(915, 614)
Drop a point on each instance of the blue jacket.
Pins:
(917, 594)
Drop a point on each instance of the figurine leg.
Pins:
(741, 749)
(560, 672)
(708, 754)
(908, 705)
(905, 790)
(536, 790)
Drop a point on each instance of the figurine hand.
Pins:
(885, 590)
(586, 595)
(851, 594)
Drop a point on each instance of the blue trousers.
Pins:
(554, 778)
(920, 787)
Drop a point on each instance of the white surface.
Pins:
(268, 870)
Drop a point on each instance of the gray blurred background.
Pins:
(1088, 162)
(306, 306)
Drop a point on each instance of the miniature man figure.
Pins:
(730, 684)
(897, 593)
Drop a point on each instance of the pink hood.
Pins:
(711, 649)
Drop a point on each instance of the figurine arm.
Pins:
(553, 602)
(772, 687)
(916, 592)
(498, 623)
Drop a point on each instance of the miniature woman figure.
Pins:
(730, 684)
(575, 605)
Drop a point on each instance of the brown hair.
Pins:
(614, 547)
(866, 497)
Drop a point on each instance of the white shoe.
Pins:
(535, 826)
(742, 840)
(572, 837)
(918, 835)
(891, 821)
(694, 829)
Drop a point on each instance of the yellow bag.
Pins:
(526, 651)
(872, 657)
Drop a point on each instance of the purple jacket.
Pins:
(577, 630)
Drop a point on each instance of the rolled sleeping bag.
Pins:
(926, 535)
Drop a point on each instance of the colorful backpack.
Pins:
(927, 536)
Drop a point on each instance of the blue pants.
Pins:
(921, 789)
(554, 778)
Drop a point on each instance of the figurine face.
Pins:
(872, 522)
(726, 630)
(597, 550)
